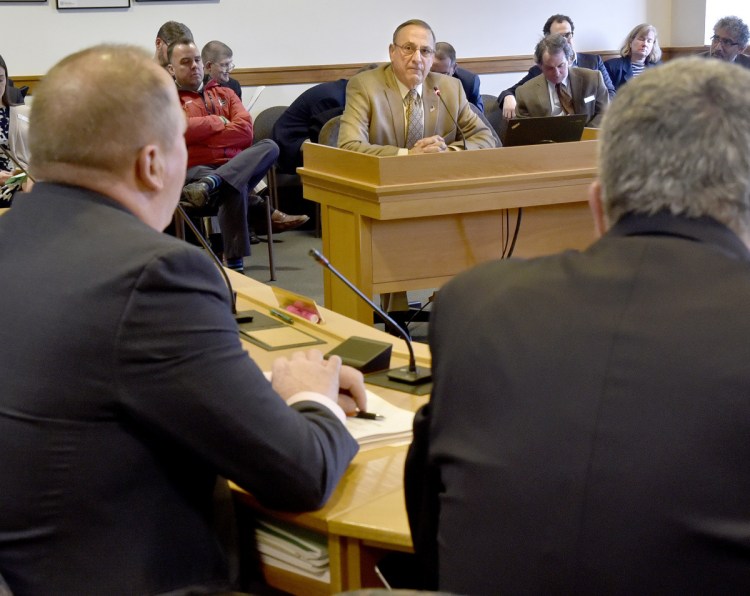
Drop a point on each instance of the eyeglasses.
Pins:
(725, 43)
(225, 67)
(408, 49)
(567, 35)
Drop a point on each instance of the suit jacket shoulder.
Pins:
(470, 82)
(594, 62)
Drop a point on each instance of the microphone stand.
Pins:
(204, 243)
(410, 374)
(458, 128)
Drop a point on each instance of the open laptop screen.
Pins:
(545, 129)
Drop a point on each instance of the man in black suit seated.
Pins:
(588, 427)
(305, 118)
(444, 62)
(562, 24)
(125, 387)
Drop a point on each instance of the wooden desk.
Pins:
(407, 223)
(366, 513)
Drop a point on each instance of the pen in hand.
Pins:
(368, 415)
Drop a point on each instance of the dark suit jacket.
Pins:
(586, 86)
(232, 84)
(590, 61)
(588, 427)
(373, 120)
(125, 390)
(302, 120)
(470, 82)
(740, 60)
(621, 70)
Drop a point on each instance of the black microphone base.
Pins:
(244, 316)
(418, 376)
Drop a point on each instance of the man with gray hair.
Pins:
(218, 63)
(562, 89)
(587, 431)
(729, 41)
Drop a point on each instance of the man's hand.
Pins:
(434, 144)
(352, 396)
(4, 175)
(307, 371)
(509, 107)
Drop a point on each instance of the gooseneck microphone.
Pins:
(458, 128)
(212, 254)
(9, 154)
(411, 374)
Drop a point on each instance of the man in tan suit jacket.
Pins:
(374, 120)
(539, 97)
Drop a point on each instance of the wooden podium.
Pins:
(413, 222)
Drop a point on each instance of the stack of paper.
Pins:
(395, 427)
(293, 549)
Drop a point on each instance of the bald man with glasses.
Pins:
(395, 110)
(729, 41)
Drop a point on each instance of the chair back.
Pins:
(263, 123)
(494, 114)
(487, 123)
(329, 134)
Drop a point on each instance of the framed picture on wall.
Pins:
(74, 4)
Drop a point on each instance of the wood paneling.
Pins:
(295, 75)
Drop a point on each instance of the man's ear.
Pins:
(149, 168)
(597, 209)
(170, 70)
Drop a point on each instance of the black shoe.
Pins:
(254, 237)
(195, 194)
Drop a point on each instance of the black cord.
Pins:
(515, 233)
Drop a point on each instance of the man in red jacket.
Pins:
(223, 162)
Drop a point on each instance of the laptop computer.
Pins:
(544, 129)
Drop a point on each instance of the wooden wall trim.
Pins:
(298, 75)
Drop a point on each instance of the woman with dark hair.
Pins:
(14, 123)
(640, 50)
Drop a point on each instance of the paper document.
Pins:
(254, 97)
(394, 428)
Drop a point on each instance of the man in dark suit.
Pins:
(305, 118)
(729, 41)
(125, 388)
(445, 63)
(587, 430)
(561, 90)
(302, 121)
(562, 24)
(377, 103)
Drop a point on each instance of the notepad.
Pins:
(396, 427)
(281, 338)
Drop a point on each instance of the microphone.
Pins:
(9, 154)
(458, 128)
(410, 374)
(241, 317)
